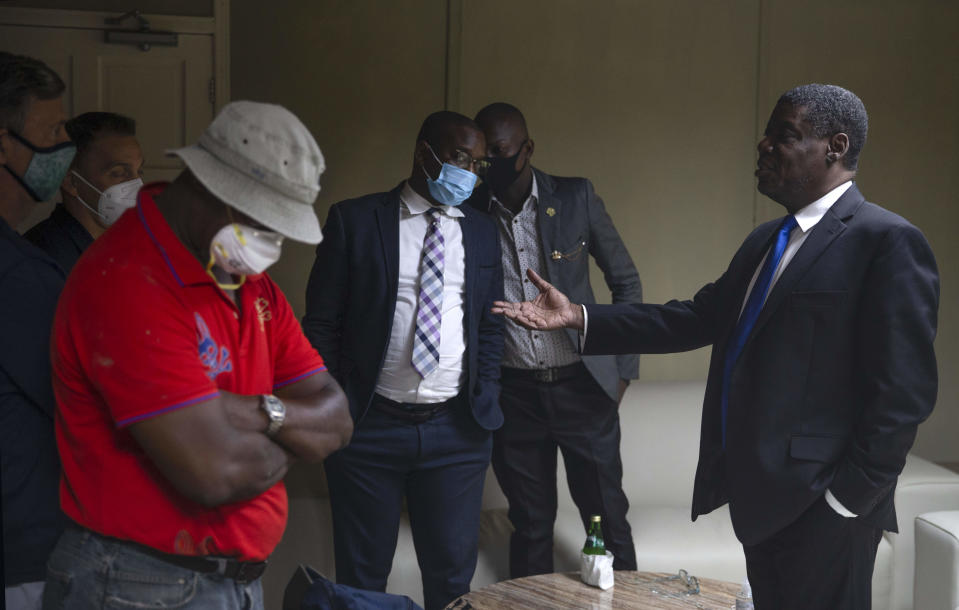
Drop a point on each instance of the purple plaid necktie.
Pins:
(429, 308)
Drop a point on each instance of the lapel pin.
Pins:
(556, 255)
(551, 212)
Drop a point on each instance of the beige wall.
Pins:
(361, 75)
(651, 102)
(659, 103)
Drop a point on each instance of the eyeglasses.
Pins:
(463, 160)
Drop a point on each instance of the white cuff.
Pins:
(582, 333)
(837, 506)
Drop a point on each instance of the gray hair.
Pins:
(22, 80)
(830, 110)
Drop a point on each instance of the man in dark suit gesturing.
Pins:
(822, 366)
(398, 304)
(551, 397)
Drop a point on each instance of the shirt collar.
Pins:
(811, 214)
(77, 232)
(416, 204)
(529, 204)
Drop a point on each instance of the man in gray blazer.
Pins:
(551, 396)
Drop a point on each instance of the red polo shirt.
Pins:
(140, 330)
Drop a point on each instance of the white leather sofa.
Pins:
(660, 426)
(937, 561)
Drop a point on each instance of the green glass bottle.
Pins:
(594, 538)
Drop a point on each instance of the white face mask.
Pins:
(114, 201)
(242, 250)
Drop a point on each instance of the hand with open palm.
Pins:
(548, 311)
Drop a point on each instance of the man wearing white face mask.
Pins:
(185, 387)
(397, 303)
(102, 183)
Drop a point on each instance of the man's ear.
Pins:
(532, 147)
(420, 153)
(838, 147)
(69, 184)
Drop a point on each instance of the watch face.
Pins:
(275, 406)
(275, 411)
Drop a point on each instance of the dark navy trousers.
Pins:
(578, 419)
(821, 560)
(439, 466)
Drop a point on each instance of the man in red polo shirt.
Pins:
(185, 387)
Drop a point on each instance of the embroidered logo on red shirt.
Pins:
(263, 312)
(215, 359)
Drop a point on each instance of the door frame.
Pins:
(217, 26)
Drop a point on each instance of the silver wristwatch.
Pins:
(275, 410)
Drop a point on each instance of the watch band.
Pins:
(275, 411)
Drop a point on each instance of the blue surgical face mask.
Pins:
(47, 168)
(453, 186)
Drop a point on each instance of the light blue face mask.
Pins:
(47, 168)
(453, 186)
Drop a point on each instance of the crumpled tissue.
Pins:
(596, 570)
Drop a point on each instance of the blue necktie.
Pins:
(754, 305)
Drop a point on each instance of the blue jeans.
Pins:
(87, 570)
(25, 596)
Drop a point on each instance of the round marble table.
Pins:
(632, 590)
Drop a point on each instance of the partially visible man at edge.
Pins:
(35, 153)
(102, 183)
(181, 371)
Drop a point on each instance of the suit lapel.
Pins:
(752, 255)
(481, 200)
(548, 224)
(388, 224)
(826, 230)
(467, 227)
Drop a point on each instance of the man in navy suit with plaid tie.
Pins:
(822, 367)
(398, 304)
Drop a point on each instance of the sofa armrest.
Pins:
(937, 560)
(923, 487)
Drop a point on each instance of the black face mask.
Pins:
(502, 171)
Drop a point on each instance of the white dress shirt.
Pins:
(806, 218)
(398, 379)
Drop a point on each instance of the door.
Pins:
(168, 90)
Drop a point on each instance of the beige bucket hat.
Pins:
(261, 160)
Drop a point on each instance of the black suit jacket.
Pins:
(351, 298)
(30, 284)
(832, 382)
(572, 221)
(62, 237)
